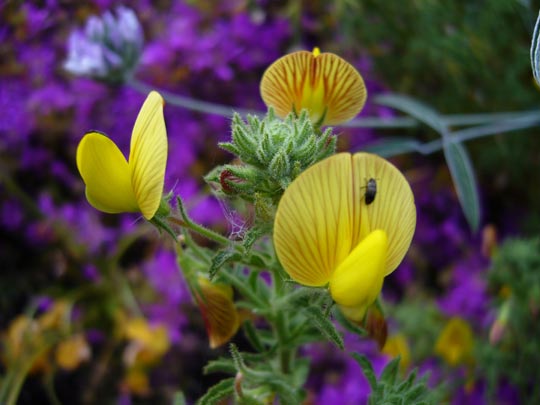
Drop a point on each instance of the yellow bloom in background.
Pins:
(148, 343)
(327, 233)
(326, 85)
(114, 184)
(455, 343)
(396, 345)
(217, 307)
(71, 352)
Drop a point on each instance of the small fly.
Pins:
(371, 191)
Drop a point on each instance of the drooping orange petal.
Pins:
(313, 224)
(148, 155)
(326, 85)
(218, 310)
(392, 209)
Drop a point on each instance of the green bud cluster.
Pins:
(391, 388)
(271, 153)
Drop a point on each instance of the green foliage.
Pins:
(514, 355)
(460, 56)
(457, 158)
(391, 389)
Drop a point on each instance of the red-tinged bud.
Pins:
(376, 326)
(238, 384)
(489, 240)
(225, 179)
(498, 328)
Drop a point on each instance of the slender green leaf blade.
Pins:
(416, 109)
(389, 147)
(367, 368)
(221, 390)
(325, 326)
(464, 179)
(535, 51)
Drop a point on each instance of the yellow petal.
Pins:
(218, 310)
(326, 85)
(455, 343)
(396, 345)
(358, 280)
(312, 229)
(392, 209)
(72, 352)
(148, 155)
(106, 174)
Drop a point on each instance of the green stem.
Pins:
(281, 326)
(364, 122)
(201, 230)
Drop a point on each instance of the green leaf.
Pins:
(367, 368)
(535, 51)
(301, 371)
(286, 393)
(221, 365)
(220, 259)
(388, 375)
(464, 180)
(252, 336)
(343, 321)
(324, 325)
(389, 147)
(179, 398)
(416, 109)
(221, 390)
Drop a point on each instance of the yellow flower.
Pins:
(72, 352)
(327, 232)
(114, 184)
(455, 343)
(217, 307)
(396, 345)
(327, 86)
(148, 343)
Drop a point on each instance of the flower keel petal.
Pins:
(358, 280)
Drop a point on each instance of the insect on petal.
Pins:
(106, 173)
(148, 155)
(392, 209)
(326, 85)
(313, 225)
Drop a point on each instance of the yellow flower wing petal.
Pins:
(312, 228)
(326, 85)
(218, 310)
(106, 173)
(148, 155)
(392, 210)
(359, 278)
(344, 90)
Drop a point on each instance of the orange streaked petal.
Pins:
(148, 155)
(218, 310)
(326, 85)
(106, 173)
(392, 210)
(312, 229)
